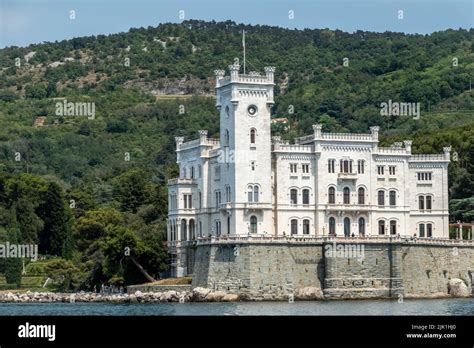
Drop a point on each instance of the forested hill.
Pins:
(151, 84)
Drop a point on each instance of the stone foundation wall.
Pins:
(266, 271)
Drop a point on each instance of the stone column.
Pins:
(396, 280)
(331, 280)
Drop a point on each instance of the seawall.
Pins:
(340, 268)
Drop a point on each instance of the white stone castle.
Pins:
(248, 183)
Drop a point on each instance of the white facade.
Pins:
(248, 182)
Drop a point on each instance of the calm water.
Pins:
(364, 307)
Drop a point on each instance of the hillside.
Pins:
(152, 84)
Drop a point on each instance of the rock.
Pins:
(457, 288)
(200, 294)
(215, 296)
(309, 293)
(231, 298)
(133, 299)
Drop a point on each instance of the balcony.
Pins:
(181, 181)
(347, 176)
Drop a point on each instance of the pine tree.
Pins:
(13, 265)
(55, 239)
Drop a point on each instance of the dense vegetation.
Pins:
(87, 189)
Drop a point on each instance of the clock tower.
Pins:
(244, 102)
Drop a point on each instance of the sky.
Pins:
(23, 22)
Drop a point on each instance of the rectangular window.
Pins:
(331, 165)
(305, 168)
(380, 170)
(360, 167)
(424, 176)
(391, 170)
(188, 201)
(429, 230)
(293, 168)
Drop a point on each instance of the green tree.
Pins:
(55, 239)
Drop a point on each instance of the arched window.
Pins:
(332, 226)
(199, 171)
(393, 227)
(361, 196)
(332, 195)
(253, 224)
(392, 198)
(192, 172)
(361, 226)
(381, 227)
(227, 137)
(347, 227)
(347, 195)
(429, 230)
(184, 232)
(428, 202)
(253, 193)
(228, 225)
(253, 134)
(218, 228)
(305, 226)
(422, 230)
(305, 196)
(200, 229)
(381, 197)
(294, 196)
(192, 234)
(184, 172)
(294, 226)
(421, 202)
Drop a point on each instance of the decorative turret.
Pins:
(408, 146)
(317, 130)
(447, 153)
(202, 136)
(179, 141)
(375, 132)
(269, 73)
(234, 72)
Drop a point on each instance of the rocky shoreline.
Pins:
(195, 295)
(456, 289)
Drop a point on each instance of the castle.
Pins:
(248, 183)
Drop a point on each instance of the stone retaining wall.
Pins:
(158, 288)
(260, 271)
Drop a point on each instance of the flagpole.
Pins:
(243, 43)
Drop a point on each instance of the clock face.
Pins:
(252, 110)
